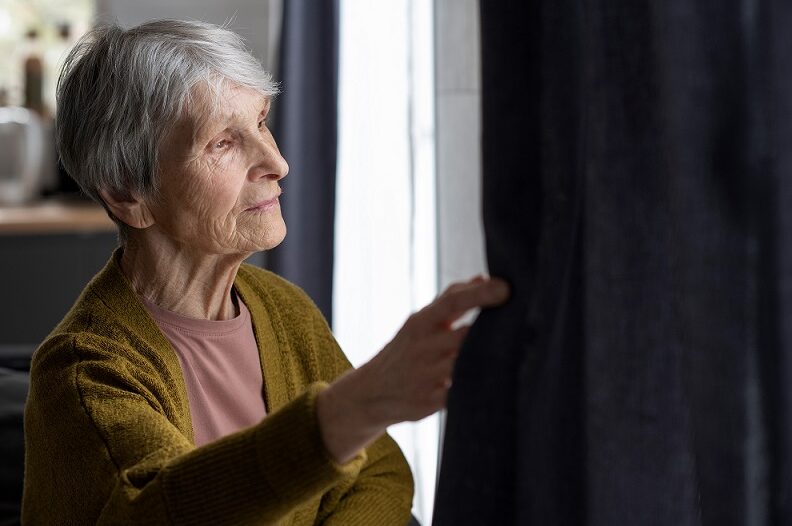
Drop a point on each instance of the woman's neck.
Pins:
(182, 280)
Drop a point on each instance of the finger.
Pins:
(437, 397)
(454, 303)
(461, 285)
(441, 395)
(439, 375)
(440, 372)
(454, 287)
(444, 344)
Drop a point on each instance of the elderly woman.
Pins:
(185, 387)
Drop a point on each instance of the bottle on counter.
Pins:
(34, 76)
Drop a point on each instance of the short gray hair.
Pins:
(120, 91)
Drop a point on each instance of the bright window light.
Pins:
(385, 244)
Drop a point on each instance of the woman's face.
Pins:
(219, 179)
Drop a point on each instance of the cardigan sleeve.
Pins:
(381, 494)
(98, 446)
(383, 491)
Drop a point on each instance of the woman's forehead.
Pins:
(208, 109)
(235, 100)
(206, 113)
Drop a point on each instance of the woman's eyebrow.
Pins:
(230, 119)
(221, 123)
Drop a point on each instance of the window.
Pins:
(385, 261)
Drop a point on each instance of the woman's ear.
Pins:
(129, 208)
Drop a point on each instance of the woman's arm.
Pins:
(381, 494)
(409, 379)
(101, 450)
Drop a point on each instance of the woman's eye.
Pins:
(221, 144)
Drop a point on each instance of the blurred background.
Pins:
(382, 203)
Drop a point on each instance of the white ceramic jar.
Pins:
(22, 151)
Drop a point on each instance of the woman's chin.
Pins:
(273, 237)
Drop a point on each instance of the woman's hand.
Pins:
(409, 379)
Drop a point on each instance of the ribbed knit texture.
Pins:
(109, 437)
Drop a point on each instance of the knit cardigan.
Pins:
(109, 438)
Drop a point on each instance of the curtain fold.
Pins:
(636, 193)
(305, 127)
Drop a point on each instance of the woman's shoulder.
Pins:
(100, 339)
(93, 323)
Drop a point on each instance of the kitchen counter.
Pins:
(54, 217)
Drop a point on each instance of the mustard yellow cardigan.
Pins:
(109, 438)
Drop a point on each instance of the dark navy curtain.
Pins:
(305, 127)
(637, 193)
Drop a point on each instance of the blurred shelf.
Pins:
(54, 217)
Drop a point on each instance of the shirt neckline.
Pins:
(196, 326)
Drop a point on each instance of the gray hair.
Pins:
(120, 92)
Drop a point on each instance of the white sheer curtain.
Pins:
(385, 255)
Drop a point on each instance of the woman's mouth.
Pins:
(264, 205)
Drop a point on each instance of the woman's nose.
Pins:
(268, 161)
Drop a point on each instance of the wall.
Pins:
(257, 21)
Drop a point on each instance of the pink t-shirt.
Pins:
(221, 367)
